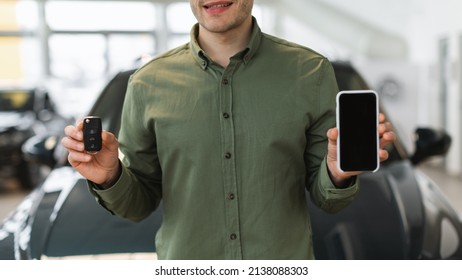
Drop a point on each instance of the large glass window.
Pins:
(77, 58)
(126, 50)
(180, 19)
(27, 14)
(8, 21)
(73, 47)
(18, 47)
(94, 39)
(19, 60)
(89, 41)
(100, 15)
(10, 66)
(81, 58)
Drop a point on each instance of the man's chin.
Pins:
(218, 28)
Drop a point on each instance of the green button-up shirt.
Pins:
(229, 151)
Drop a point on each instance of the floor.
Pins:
(451, 186)
(8, 202)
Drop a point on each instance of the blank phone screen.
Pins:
(358, 136)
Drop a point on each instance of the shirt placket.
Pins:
(233, 238)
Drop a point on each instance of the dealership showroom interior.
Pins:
(62, 60)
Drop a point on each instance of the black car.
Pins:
(399, 212)
(24, 112)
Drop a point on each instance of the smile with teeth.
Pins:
(218, 6)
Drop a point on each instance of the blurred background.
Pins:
(64, 52)
(61, 60)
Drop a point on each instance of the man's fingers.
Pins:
(75, 158)
(381, 118)
(387, 138)
(332, 134)
(73, 132)
(383, 155)
(71, 144)
(384, 127)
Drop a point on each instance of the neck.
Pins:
(221, 46)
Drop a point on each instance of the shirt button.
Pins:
(225, 81)
(233, 236)
(230, 196)
(226, 115)
(228, 155)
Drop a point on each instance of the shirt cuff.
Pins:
(333, 191)
(114, 193)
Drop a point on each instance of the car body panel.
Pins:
(398, 214)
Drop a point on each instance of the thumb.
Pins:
(332, 135)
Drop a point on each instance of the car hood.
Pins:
(15, 119)
(16, 231)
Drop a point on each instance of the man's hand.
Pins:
(338, 177)
(101, 168)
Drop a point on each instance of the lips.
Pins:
(217, 5)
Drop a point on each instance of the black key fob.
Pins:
(92, 130)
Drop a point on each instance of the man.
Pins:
(227, 130)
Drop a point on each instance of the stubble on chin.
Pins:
(219, 23)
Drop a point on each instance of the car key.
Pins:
(92, 130)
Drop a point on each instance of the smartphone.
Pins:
(92, 130)
(357, 122)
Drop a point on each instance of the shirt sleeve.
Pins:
(138, 191)
(323, 192)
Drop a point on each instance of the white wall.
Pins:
(419, 24)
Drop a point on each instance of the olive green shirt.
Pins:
(230, 152)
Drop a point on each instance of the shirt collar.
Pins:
(248, 53)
